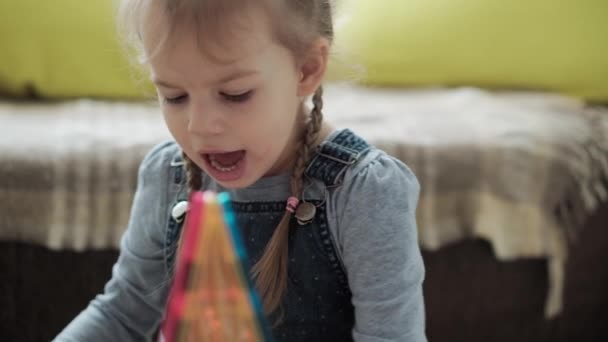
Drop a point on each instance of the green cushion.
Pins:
(538, 44)
(63, 48)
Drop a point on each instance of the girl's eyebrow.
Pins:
(230, 77)
(162, 83)
(236, 75)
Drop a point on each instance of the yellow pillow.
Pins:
(63, 48)
(538, 44)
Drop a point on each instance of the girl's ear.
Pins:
(312, 68)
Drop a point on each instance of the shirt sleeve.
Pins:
(378, 239)
(132, 305)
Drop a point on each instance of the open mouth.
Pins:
(227, 166)
(225, 162)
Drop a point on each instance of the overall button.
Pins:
(179, 211)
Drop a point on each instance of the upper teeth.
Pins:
(217, 165)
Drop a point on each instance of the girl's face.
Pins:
(237, 118)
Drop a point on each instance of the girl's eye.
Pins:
(238, 98)
(176, 99)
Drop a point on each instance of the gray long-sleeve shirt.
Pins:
(372, 220)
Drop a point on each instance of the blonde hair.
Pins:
(296, 23)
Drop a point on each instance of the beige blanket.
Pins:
(522, 170)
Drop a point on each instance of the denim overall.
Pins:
(317, 305)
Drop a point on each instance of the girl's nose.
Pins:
(205, 120)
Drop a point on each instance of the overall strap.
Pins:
(334, 156)
(179, 194)
(178, 164)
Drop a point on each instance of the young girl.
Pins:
(328, 220)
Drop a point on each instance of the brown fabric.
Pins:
(42, 290)
(469, 294)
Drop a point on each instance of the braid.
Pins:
(271, 271)
(304, 151)
(194, 174)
